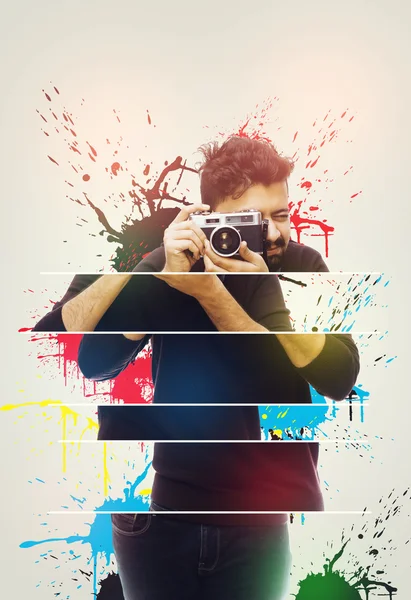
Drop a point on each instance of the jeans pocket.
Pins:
(131, 524)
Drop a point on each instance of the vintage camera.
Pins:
(226, 231)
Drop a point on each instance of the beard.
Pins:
(274, 261)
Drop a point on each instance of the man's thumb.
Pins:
(245, 251)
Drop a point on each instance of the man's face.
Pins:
(272, 202)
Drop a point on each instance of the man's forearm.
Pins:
(224, 311)
(302, 348)
(84, 311)
(228, 315)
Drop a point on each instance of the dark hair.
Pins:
(236, 165)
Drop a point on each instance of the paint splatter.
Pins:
(110, 588)
(99, 536)
(360, 574)
(303, 217)
(137, 236)
(140, 235)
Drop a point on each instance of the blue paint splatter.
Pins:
(100, 535)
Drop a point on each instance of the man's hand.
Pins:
(251, 263)
(184, 241)
(199, 286)
(222, 309)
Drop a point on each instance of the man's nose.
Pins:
(272, 233)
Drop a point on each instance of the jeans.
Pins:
(162, 558)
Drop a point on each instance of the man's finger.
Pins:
(189, 234)
(210, 267)
(177, 246)
(248, 255)
(184, 226)
(188, 210)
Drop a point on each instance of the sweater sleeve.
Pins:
(267, 305)
(335, 370)
(153, 263)
(53, 321)
(319, 265)
(104, 356)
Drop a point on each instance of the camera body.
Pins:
(226, 231)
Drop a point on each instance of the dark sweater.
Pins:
(217, 368)
(297, 258)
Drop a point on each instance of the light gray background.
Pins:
(196, 64)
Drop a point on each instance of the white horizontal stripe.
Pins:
(285, 273)
(210, 512)
(341, 403)
(285, 440)
(199, 332)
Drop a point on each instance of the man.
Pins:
(213, 555)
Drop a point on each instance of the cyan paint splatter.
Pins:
(99, 536)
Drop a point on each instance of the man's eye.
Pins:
(280, 217)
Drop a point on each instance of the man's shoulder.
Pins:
(153, 262)
(302, 258)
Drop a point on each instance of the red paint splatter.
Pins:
(115, 167)
(47, 96)
(306, 184)
(148, 118)
(132, 383)
(52, 160)
(132, 386)
(92, 149)
(252, 130)
(354, 195)
(44, 118)
(56, 90)
(86, 177)
(303, 223)
(146, 170)
(67, 118)
(295, 136)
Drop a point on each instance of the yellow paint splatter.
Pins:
(39, 403)
(281, 415)
(91, 424)
(106, 476)
(66, 413)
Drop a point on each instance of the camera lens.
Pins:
(225, 241)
